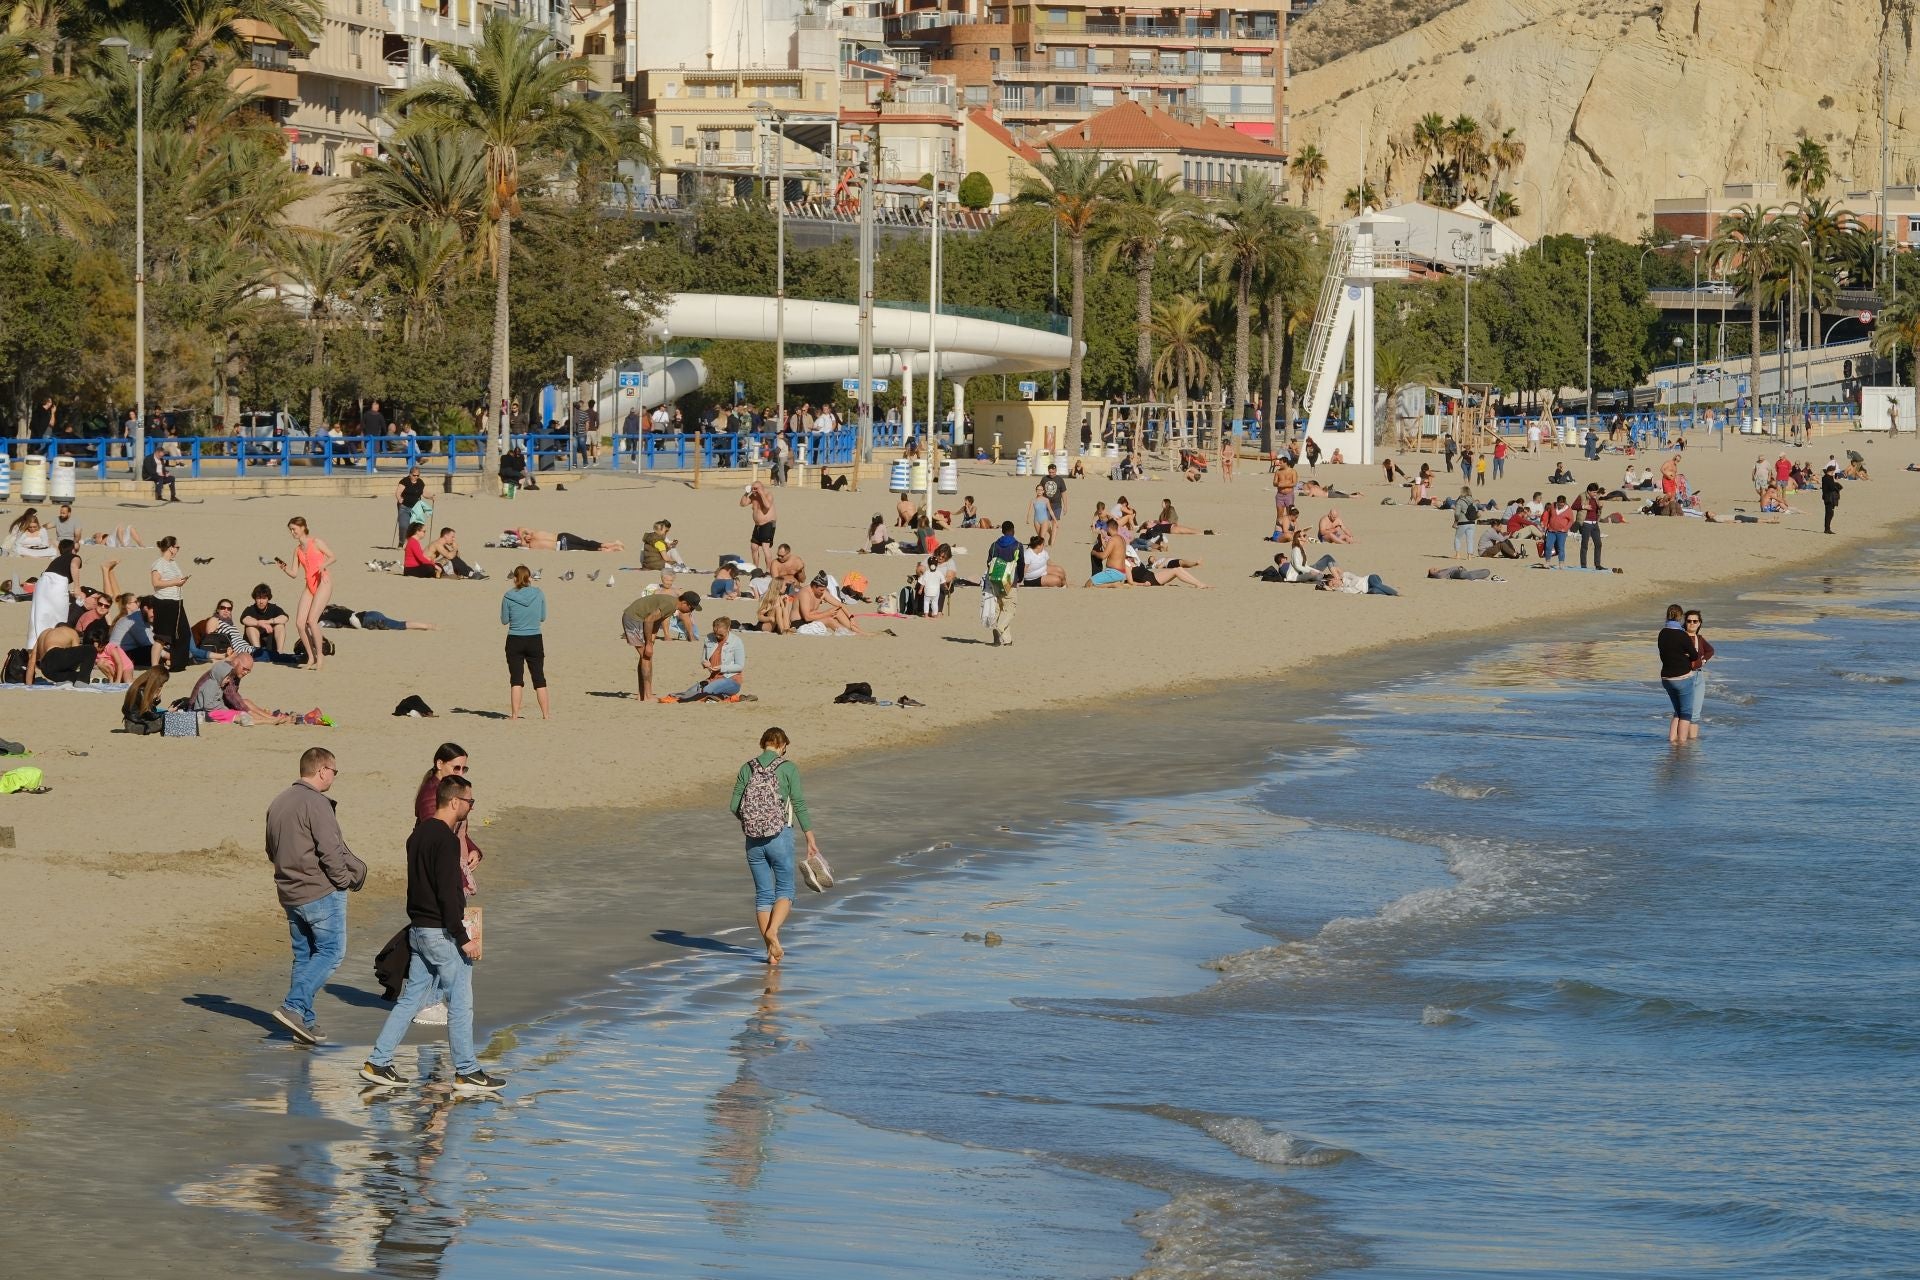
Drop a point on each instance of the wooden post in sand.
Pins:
(699, 453)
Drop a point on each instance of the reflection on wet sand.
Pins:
(375, 1198)
(745, 1112)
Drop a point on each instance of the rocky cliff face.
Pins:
(1615, 99)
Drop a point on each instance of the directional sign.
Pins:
(1029, 389)
(880, 386)
(849, 384)
(635, 379)
(1666, 384)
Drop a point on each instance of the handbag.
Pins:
(181, 724)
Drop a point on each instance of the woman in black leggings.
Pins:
(523, 609)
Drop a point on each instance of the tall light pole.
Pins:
(139, 59)
(933, 336)
(869, 160)
(1589, 408)
(1466, 253)
(767, 114)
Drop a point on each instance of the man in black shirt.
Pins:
(443, 953)
(1054, 489)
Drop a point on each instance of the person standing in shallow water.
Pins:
(765, 794)
(1702, 655)
(1677, 673)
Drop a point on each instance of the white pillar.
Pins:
(959, 410)
(1362, 378)
(906, 394)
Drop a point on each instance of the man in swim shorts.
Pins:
(760, 500)
(645, 621)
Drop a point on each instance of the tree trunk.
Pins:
(1276, 326)
(1753, 356)
(497, 383)
(1076, 328)
(1242, 337)
(1286, 381)
(1143, 328)
(316, 402)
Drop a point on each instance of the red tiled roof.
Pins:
(1129, 126)
(999, 133)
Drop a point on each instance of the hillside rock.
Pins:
(1615, 100)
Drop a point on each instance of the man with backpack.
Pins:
(1006, 570)
(1465, 516)
(769, 803)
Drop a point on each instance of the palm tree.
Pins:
(1807, 167)
(423, 181)
(1145, 214)
(1503, 206)
(1749, 249)
(1506, 153)
(1466, 155)
(1898, 328)
(1310, 168)
(1430, 137)
(322, 267)
(35, 180)
(1357, 198)
(417, 264)
(1070, 190)
(1393, 371)
(1247, 238)
(212, 23)
(513, 99)
(1179, 328)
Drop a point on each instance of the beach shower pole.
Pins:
(776, 120)
(139, 59)
(865, 443)
(1589, 406)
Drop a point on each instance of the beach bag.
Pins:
(181, 724)
(1000, 578)
(763, 814)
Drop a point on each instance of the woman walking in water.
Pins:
(1702, 655)
(765, 793)
(1677, 674)
(314, 560)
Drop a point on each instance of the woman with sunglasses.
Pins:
(1702, 655)
(1677, 673)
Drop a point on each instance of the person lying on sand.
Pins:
(542, 540)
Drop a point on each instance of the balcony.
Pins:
(1016, 70)
(1067, 32)
(265, 82)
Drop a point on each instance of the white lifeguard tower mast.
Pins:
(1359, 260)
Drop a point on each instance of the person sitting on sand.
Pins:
(904, 511)
(264, 623)
(1855, 470)
(819, 614)
(542, 540)
(1338, 459)
(1421, 488)
(879, 543)
(1112, 550)
(725, 585)
(1560, 474)
(60, 654)
(219, 690)
(1354, 583)
(1286, 523)
(445, 551)
(1772, 503)
(726, 664)
(220, 632)
(26, 536)
(1168, 522)
(1040, 570)
(140, 709)
(1495, 544)
(1333, 529)
(414, 560)
(970, 517)
(789, 570)
(65, 526)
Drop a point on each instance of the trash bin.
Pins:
(60, 485)
(949, 477)
(33, 479)
(901, 478)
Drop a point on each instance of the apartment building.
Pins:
(335, 110)
(1045, 64)
(416, 30)
(1206, 156)
(709, 133)
(1700, 215)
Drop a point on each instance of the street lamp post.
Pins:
(139, 59)
(1589, 405)
(766, 114)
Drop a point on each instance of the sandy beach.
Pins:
(145, 860)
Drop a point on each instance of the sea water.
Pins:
(1501, 984)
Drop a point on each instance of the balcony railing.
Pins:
(1150, 31)
(266, 57)
(1125, 71)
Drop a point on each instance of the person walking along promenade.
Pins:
(443, 951)
(313, 871)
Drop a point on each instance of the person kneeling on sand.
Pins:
(219, 691)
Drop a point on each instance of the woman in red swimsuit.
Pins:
(316, 593)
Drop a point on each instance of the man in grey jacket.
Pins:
(313, 871)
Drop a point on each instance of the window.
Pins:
(977, 95)
(1066, 95)
(596, 46)
(1100, 97)
(1066, 59)
(679, 135)
(696, 91)
(1058, 16)
(993, 53)
(743, 140)
(1253, 64)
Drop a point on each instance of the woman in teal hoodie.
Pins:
(523, 609)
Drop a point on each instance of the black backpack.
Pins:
(15, 671)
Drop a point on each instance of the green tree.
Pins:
(42, 316)
(1750, 250)
(1146, 214)
(1251, 238)
(1360, 197)
(1807, 167)
(514, 99)
(1069, 190)
(322, 268)
(1180, 330)
(976, 190)
(1309, 166)
(36, 180)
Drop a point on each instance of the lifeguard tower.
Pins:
(1367, 250)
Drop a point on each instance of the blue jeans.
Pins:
(1375, 587)
(1698, 701)
(1681, 693)
(318, 930)
(1499, 466)
(438, 971)
(771, 862)
(719, 687)
(1556, 544)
